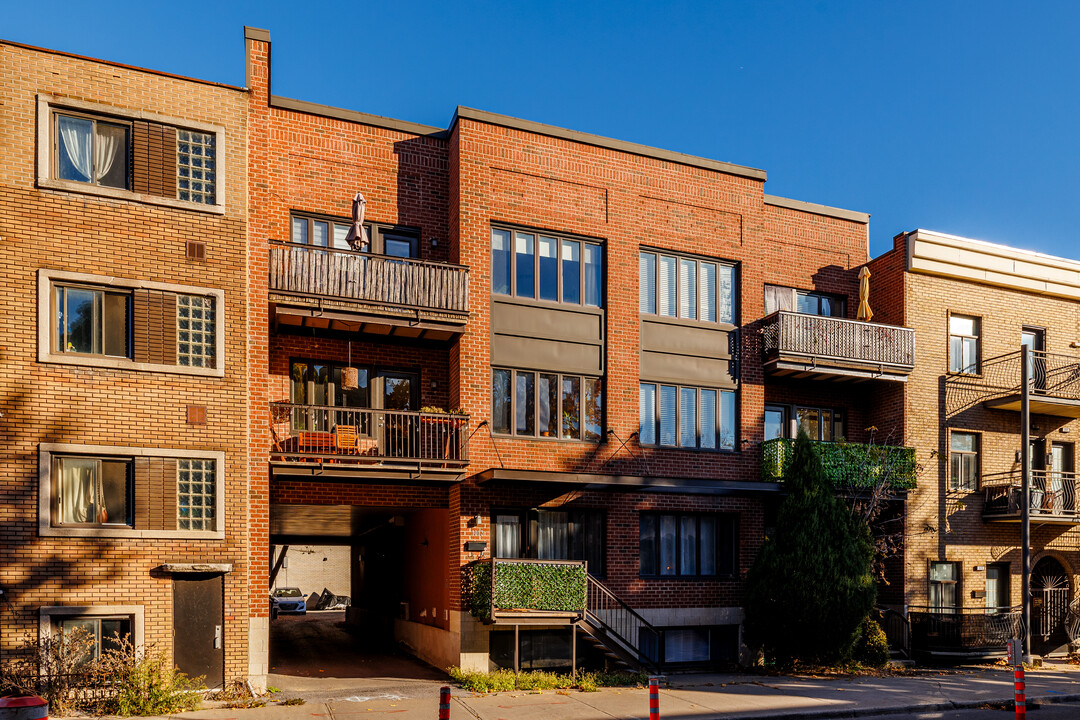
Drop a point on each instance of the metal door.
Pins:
(199, 627)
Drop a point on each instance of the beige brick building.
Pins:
(972, 304)
(124, 393)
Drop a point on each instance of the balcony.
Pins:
(829, 348)
(963, 632)
(1054, 381)
(1053, 497)
(327, 442)
(847, 465)
(524, 591)
(345, 291)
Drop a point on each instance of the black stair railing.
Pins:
(619, 623)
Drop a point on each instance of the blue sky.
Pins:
(960, 117)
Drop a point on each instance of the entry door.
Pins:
(1060, 489)
(775, 422)
(1035, 341)
(401, 435)
(199, 627)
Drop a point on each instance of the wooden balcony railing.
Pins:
(1053, 496)
(818, 338)
(963, 631)
(847, 465)
(364, 277)
(361, 436)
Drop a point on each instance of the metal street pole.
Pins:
(1025, 494)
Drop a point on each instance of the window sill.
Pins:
(684, 322)
(118, 194)
(690, 578)
(128, 533)
(712, 451)
(552, 304)
(953, 373)
(115, 363)
(541, 438)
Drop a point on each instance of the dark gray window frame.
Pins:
(697, 416)
(699, 259)
(377, 232)
(536, 405)
(721, 518)
(528, 523)
(559, 237)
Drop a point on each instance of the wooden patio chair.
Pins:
(345, 439)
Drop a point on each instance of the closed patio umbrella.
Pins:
(357, 236)
(865, 313)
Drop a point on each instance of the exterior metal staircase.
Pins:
(627, 639)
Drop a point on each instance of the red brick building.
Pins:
(545, 359)
(554, 348)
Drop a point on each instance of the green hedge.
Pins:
(524, 586)
(847, 465)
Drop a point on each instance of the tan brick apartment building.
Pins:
(972, 304)
(122, 213)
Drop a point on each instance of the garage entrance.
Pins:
(391, 563)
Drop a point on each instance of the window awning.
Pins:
(696, 486)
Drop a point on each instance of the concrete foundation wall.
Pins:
(435, 646)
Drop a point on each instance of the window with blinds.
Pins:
(544, 266)
(686, 417)
(686, 287)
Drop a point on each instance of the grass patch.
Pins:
(503, 680)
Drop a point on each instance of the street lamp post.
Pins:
(1025, 494)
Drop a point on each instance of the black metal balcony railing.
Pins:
(360, 436)
(365, 277)
(830, 338)
(1053, 495)
(847, 465)
(963, 631)
(1049, 374)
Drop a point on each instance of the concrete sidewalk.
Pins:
(701, 696)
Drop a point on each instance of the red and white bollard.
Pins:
(654, 698)
(29, 707)
(1018, 690)
(444, 703)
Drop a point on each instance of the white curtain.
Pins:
(77, 490)
(554, 535)
(106, 151)
(75, 138)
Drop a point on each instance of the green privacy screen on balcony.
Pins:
(847, 465)
(524, 585)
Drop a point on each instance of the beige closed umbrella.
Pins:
(357, 236)
(865, 313)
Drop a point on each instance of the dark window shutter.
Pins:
(141, 326)
(157, 341)
(140, 157)
(141, 499)
(168, 162)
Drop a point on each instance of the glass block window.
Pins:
(195, 330)
(195, 493)
(196, 166)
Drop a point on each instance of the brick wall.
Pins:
(948, 525)
(58, 403)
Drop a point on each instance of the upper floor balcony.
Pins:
(360, 292)
(1052, 497)
(847, 465)
(833, 348)
(1054, 381)
(326, 441)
